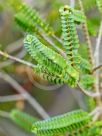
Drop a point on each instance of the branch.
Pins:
(20, 55)
(96, 56)
(97, 67)
(11, 98)
(91, 58)
(54, 46)
(95, 111)
(17, 59)
(25, 94)
(87, 37)
(98, 44)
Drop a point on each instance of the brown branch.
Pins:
(87, 37)
(17, 59)
(96, 68)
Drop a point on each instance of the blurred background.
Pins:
(54, 99)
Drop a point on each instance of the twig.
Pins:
(97, 68)
(90, 52)
(53, 45)
(87, 37)
(25, 94)
(57, 39)
(17, 59)
(96, 54)
(95, 111)
(98, 44)
(20, 55)
(11, 98)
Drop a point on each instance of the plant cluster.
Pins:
(59, 62)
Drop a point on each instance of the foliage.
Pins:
(64, 65)
(70, 122)
(23, 119)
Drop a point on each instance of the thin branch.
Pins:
(57, 39)
(90, 53)
(20, 55)
(98, 44)
(95, 111)
(96, 54)
(17, 59)
(53, 45)
(96, 116)
(87, 37)
(25, 94)
(11, 98)
(97, 68)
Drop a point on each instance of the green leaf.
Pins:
(87, 81)
(22, 119)
(69, 122)
(53, 62)
(34, 18)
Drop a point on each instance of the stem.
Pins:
(96, 55)
(57, 39)
(17, 59)
(53, 45)
(11, 98)
(95, 111)
(97, 68)
(90, 53)
(87, 37)
(19, 55)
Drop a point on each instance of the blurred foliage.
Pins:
(10, 4)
